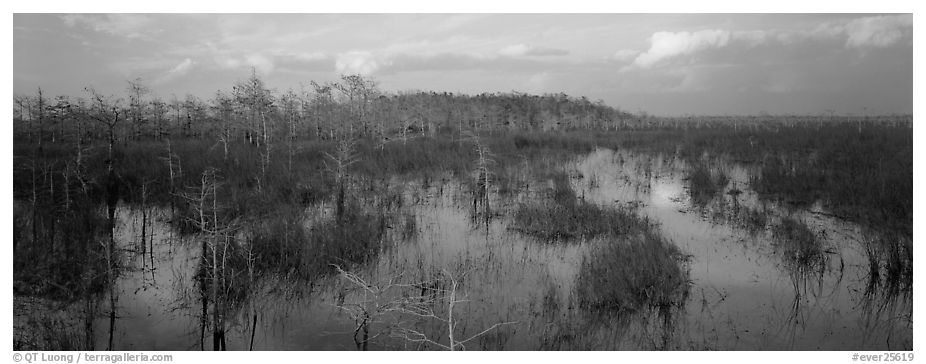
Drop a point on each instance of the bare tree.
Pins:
(177, 107)
(137, 90)
(257, 99)
(391, 297)
(224, 105)
(204, 201)
(40, 107)
(290, 103)
(338, 164)
(320, 105)
(159, 109)
(482, 175)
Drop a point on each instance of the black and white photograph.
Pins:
(460, 181)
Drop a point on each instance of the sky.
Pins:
(663, 64)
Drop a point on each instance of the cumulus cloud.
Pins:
(519, 50)
(357, 62)
(878, 31)
(860, 33)
(666, 45)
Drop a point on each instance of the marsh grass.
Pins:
(285, 246)
(703, 185)
(565, 217)
(798, 245)
(753, 220)
(629, 266)
(633, 272)
(890, 263)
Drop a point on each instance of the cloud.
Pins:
(738, 46)
(260, 62)
(357, 62)
(179, 70)
(518, 50)
(182, 68)
(666, 45)
(878, 31)
(132, 26)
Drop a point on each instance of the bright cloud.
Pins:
(357, 62)
(666, 45)
(878, 31)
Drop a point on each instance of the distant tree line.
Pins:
(354, 106)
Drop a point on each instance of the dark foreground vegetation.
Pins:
(239, 171)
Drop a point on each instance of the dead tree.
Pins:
(482, 175)
(137, 91)
(390, 298)
(338, 165)
(203, 199)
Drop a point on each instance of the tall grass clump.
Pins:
(563, 217)
(890, 260)
(798, 245)
(284, 245)
(703, 186)
(634, 272)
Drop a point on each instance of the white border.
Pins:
(491, 6)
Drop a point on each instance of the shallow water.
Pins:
(743, 295)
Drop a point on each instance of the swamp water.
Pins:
(517, 293)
